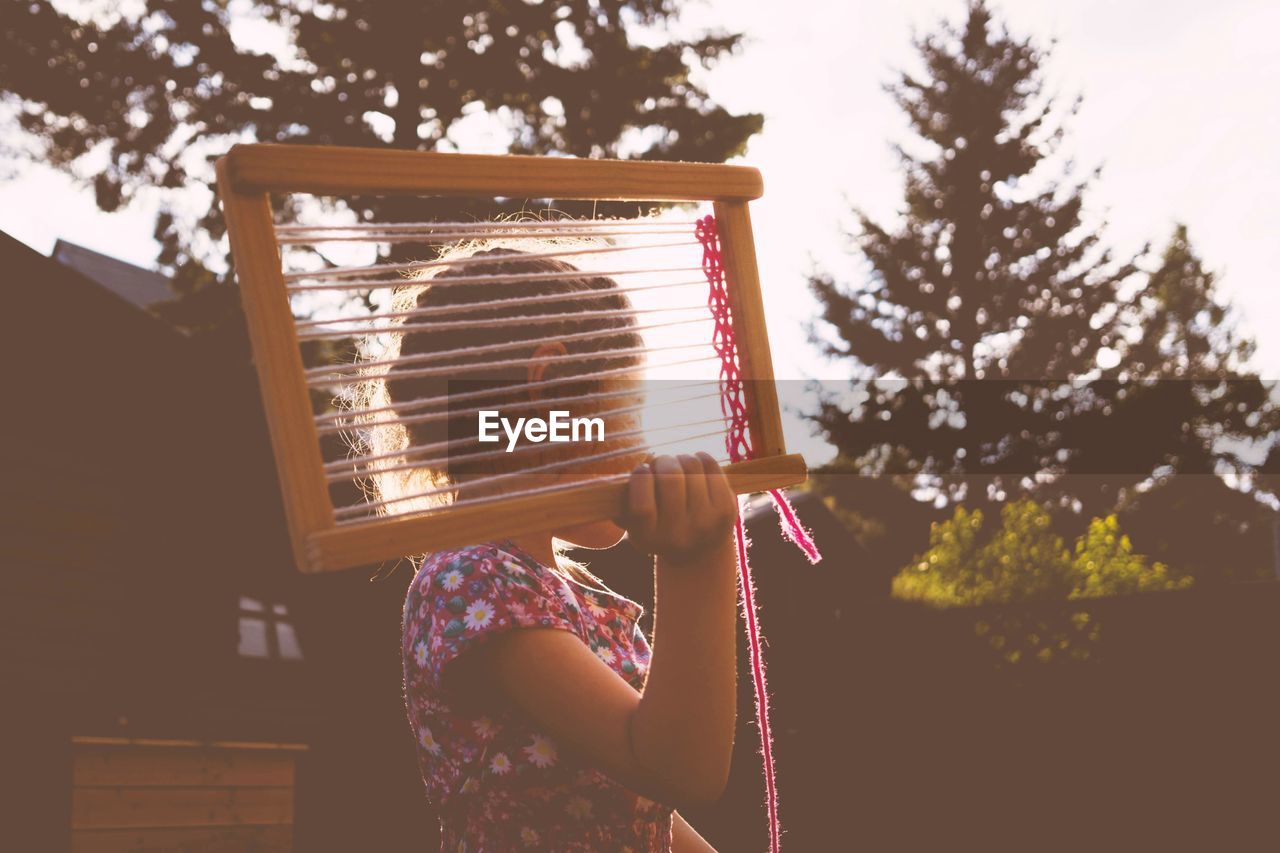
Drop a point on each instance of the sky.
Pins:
(1181, 109)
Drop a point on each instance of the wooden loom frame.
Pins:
(249, 174)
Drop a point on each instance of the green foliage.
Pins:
(1105, 564)
(1025, 638)
(948, 570)
(1025, 560)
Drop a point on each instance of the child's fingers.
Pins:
(669, 488)
(710, 467)
(719, 493)
(641, 513)
(695, 483)
(640, 491)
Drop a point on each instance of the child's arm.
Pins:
(672, 742)
(686, 717)
(685, 839)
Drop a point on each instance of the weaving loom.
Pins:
(652, 324)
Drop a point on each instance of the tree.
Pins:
(156, 96)
(1001, 349)
(1188, 332)
(991, 274)
(1181, 409)
(1181, 398)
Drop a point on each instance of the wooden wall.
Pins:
(172, 795)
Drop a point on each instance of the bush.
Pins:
(1025, 561)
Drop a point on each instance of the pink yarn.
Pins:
(733, 407)
(732, 403)
(792, 529)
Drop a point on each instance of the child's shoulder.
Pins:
(487, 587)
(501, 559)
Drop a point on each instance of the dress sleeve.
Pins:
(462, 598)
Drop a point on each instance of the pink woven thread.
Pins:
(733, 407)
(732, 403)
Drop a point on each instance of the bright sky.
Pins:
(1181, 107)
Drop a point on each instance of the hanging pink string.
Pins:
(792, 529)
(734, 408)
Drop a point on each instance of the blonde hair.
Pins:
(381, 431)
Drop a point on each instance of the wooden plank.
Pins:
(103, 808)
(260, 839)
(280, 371)
(205, 744)
(375, 541)
(142, 766)
(738, 254)
(336, 170)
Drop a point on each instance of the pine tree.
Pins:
(1181, 382)
(1004, 351)
(1180, 409)
(1189, 405)
(155, 96)
(1188, 330)
(991, 274)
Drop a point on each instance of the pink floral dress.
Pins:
(497, 782)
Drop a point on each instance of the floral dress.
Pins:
(497, 782)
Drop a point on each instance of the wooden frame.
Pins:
(161, 794)
(248, 174)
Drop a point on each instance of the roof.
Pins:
(91, 318)
(140, 286)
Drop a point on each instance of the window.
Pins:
(266, 632)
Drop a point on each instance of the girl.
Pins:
(541, 717)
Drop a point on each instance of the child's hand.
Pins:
(679, 508)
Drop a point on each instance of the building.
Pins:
(171, 681)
